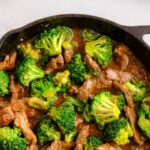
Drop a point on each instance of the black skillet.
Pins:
(131, 36)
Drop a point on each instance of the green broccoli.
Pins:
(28, 71)
(77, 68)
(78, 104)
(100, 50)
(92, 142)
(62, 80)
(87, 116)
(4, 83)
(144, 116)
(104, 108)
(46, 131)
(51, 40)
(69, 137)
(11, 139)
(89, 35)
(64, 116)
(138, 89)
(118, 131)
(27, 50)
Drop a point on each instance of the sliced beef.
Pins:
(131, 115)
(6, 116)
(82, 136)
(126, 92)
(68, 55)
(54, 64)
(118, 75)
(91, 63)
(108, 146)
(79, 121)
(9, 62)
(22, 122)
(60, 145)
(121, 56)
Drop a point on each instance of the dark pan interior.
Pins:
(11, 39)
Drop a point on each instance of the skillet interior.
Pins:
(115, 31)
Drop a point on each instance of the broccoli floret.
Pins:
(92, 142)
(118, 131)
(51, 40)
(64, 116)
(44, 87)
(87, 116)
(78, 104)
(77, 68)
(46, 131)
(144, 116)
(69, 44)
(27, 50)
(28, 71)
(4, 83)
(10, 139)
(71, 135)
(138, 89)
(104, 108)
(100, 50)
(89, 35)
(62, 80)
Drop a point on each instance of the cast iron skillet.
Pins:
(131, 36)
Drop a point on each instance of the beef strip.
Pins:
(21, 121)
(59, 145)
(68, 55)
(9, 62)
(108, 146)
(54, 64)
(91, 63)
(6, 116)
(122, 76)
(83, 134)
(121, 56)
(131, 115)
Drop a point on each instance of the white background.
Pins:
(16, 13)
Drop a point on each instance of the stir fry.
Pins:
(70, 88)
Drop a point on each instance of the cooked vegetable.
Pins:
(89, 35)
(4, 83)
(62, 80)
(100, 50)
(104, 108)
(69, 137)
(92, 142)
(51, 40)
(27, 50)
(144, 116)
(118, 131)
(28, 71)
(77, 68)
(64, 116)
(138, 89)
(46, 131)
(11, 139)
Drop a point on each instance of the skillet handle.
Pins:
(138, 32)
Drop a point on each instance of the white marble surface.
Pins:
(16, 13)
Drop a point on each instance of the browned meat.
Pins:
(32, 147)
(126, 92)
(21, 121)
(121, 56)
(86, 90)
(78, 121)
(4, 101)
(9, 62)
(60, 145)
(6, 116)
(73, 89)
(108, 146)
(54, 64)
(83, 134)
(91, 63)
(118, 75)
(131, 115)
(68, 55)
